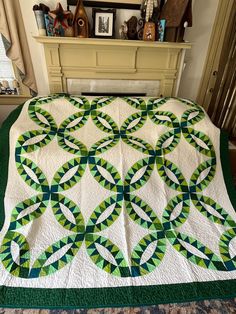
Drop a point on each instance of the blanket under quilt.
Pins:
(108, 201)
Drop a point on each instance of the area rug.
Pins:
(198, 307)
(110, 202)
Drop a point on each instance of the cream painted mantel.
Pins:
(71, 58)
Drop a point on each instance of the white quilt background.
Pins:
(82, 272)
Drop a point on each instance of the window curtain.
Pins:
(15, 41)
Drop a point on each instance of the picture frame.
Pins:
(104, 23)
(118, 4)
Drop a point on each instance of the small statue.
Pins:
(132, 27)
(81, 26)
(16, 86)
(6, 87)
(123, 31)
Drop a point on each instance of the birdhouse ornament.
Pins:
(178, 16)
(81, 26)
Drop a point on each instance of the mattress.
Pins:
(114, 202)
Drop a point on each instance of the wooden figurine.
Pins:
(81, 26)
(178, 14)
(132, 27)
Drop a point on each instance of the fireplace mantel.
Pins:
(71, 58)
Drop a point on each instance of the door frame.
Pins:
(214, 51)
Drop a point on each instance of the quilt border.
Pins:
(115, 297)
(4, 155)
(226, 168)
(15, 297)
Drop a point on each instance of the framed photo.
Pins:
(104, 23)
(119, 4)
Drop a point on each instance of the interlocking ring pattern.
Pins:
(160, 230)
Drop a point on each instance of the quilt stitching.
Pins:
(160, 230)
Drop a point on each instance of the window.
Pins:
(6, 68)
(9, 73)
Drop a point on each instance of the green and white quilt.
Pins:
(109, 201)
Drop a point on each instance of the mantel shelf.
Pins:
(71, 58)
(110, 42)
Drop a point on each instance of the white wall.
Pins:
(36, 49)
(204, 12)
(203, 18)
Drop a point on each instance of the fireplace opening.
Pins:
(119, 88)
(113, 94)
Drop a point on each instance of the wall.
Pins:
(203, 13)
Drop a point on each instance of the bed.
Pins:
(115, 202)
